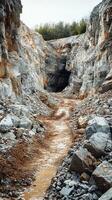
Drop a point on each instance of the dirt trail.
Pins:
(60, 140)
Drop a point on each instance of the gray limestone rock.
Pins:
(107, 195)
(103, 175)
(98, 143)
(66, 191)
(8, 122)
(82, 161)
(97, 124)
(25, 123)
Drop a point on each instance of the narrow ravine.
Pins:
(60, 140)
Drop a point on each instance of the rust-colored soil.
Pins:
(41, 157)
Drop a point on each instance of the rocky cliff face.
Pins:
(80, 64)
(22, 72)
(9, 24)
(22, 59)
(76, 65)
(90, 58)
(22, 97)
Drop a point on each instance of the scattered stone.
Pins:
(19, 110)
(71, 183)
(87, 196)
(6, 124)
(110, 102)
(79, 132)
(95, 197)
(15, 120)
(25, 123)
(107, 85)
(97, 144)
(31, 133)
(84, 177)
(82, 121)
(107, 195)
(9, 136)
(66, 191)
(93, 188)
(97, 124)
(103, 175)
(82, 161)
(19, 132)
(109, 146)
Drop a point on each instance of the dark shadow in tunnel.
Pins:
(58, 80)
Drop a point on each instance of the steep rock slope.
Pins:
(22, 97)
(28, 64)
(22, 72)
(22, 59)
(80, 64)
(89, 56)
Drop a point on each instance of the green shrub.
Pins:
(61, 30)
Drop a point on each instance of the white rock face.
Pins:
(90, 57)
(25, 73)
(27, 69)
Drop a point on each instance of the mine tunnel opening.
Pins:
(58, 80)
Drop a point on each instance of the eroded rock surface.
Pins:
(89, 56)
(79, 65)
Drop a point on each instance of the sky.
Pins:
(36, 12)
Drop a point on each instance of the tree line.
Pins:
(61, 29)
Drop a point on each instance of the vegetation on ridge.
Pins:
(61, 29)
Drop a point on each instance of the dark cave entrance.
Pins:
(59, 81)
(57, 75)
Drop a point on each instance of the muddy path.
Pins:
(60, 139)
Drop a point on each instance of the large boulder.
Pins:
(107, 195)
(103, 175)
(98, 144)
(82, 161)
(97, 124)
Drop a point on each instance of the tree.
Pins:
(74, 28)
(61, 29)
(82, 26)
